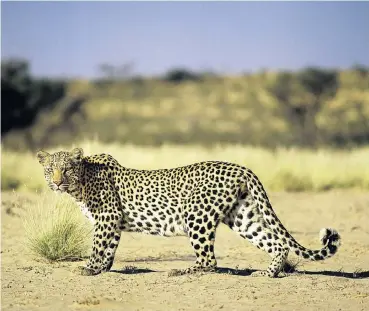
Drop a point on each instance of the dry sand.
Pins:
(139, 279)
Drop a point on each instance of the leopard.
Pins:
(190, 201)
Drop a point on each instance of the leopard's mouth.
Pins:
(59, 188)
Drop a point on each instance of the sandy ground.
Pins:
(140, 281)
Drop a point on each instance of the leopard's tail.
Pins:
(330, 240)
(328, 236)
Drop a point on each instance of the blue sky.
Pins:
(72, 38)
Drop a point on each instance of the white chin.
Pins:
(59, 189)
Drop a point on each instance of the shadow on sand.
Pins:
(248, 272)
(133, 270)
(342, 274)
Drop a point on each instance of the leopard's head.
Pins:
(61, 169)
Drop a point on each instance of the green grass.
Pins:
(56, 230)
(284, 169)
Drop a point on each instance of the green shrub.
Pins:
(56, 229)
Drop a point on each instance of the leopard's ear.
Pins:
(77, 154)
(43, 157)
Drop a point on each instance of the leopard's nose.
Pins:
(58, 182)
(57, 177)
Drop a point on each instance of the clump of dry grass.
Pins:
(55, 229)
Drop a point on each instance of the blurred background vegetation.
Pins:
(313, 107)
(306, 130)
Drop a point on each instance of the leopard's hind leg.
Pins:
(246, 219)
(201, 225)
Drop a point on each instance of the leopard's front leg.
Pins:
(109, 252)
(104, 233)
(107, 230)
(105, 242)
(94, 261)
(107, 227)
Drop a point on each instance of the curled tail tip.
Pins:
(329, 236)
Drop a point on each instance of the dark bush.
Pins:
(180, 75)
(301, 97)
(23, 96)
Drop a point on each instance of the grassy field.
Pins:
(283, 169)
